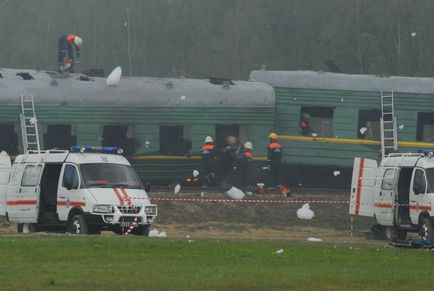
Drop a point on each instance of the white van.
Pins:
(399, 194)
(84, 190)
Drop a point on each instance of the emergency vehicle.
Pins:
(399, 193)
(85, 190)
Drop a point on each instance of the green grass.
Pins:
(110, 262)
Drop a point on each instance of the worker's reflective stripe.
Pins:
(359, 185)
(21, 202)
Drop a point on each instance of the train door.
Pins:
(385, 201)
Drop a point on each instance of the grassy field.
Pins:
(111, 262)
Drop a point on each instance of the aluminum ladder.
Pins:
(29, 124)
(389, 140)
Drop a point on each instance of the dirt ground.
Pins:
(262, 221)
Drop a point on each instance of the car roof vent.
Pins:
(25, 76)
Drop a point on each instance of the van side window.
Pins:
(388, 178)
(70, 177)
(419, 182)
(31, 175)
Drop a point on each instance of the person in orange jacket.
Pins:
(66, 45)
(274, 159)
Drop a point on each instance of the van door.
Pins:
(385, 201)
(67, 193)
(419, 200)
(363, 187)
(27, 202)
(5, 168)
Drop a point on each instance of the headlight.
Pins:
(103, 209)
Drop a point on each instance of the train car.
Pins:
(160, 123)
(345, 112)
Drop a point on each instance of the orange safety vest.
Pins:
(207, 147)
(274, 145)
(248, 154)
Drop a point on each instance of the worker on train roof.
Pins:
(66, 46)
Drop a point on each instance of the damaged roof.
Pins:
(337, 81)
(51, 88)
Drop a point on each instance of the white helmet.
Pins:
(248, 145)
(208, 139)
(78, 41)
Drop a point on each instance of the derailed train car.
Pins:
(345, 115)
(160, 123)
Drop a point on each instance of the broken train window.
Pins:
(175, 140)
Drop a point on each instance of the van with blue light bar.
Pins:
(398, 194)
(84, 190)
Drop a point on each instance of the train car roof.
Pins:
(337, 81)
(51, 88)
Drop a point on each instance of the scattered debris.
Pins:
(314, 134)
(235, 193)
(187, 236)
(401, 126)
(342, 99)
(147, 144)
(177, 189)
(114, 77)
(314, 239)
(195, 173)
(305, 213)
(33, 121)
(280, 251)
(336, 173)
(413, 34)
(156, 233)
(183, 97)
(363, 130)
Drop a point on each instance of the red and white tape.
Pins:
(265, 201)
(132, 226)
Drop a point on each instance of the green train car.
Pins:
(160, 123)
(345, 115)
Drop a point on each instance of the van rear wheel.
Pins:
(78, 225)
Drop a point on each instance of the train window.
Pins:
(369, 124)
(175, 140)
(8, 139)
(222, 132)
(59, 136)
(317, 121)
(121, 136)
(425, 127)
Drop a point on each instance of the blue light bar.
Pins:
(92, 149)
(428, 153)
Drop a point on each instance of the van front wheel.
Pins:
(426, 229)
(78, 225)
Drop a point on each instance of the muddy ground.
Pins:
(277, 221)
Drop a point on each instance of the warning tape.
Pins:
(131, 227)
(265, 201)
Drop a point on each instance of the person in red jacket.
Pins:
(66, 45)
(274, 159)
(305, 128)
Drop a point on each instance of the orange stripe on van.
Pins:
(21, 202)
(359, 185)
(422, 207)
(70, 203)
(383, 205)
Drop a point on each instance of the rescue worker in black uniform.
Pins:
(274, 159)
(242, 171)
(66, 46)
(229, 157)
(208, 154)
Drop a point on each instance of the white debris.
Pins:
(295, 99)
(156, 233)
(280, 251)
(300, 184)
(249, 193)
(342, 99)
(401, 126)
(147, 144)
(363, 130)
(195, 173)
(314, 239)
(336, 173)
(305, 213)
(187, 236)
(190, 241)
(114, 77)
(235, 193)
(413, 34)
(33, 121)
(183, 97)
(177, 189)
(314, 134)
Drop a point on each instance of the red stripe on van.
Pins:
(414, 207)
(383, 205)
(119, 195)
(359, 185)
(70, 203)
(21, 202)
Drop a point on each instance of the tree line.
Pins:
(224, 38)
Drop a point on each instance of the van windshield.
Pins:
(110, 176)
